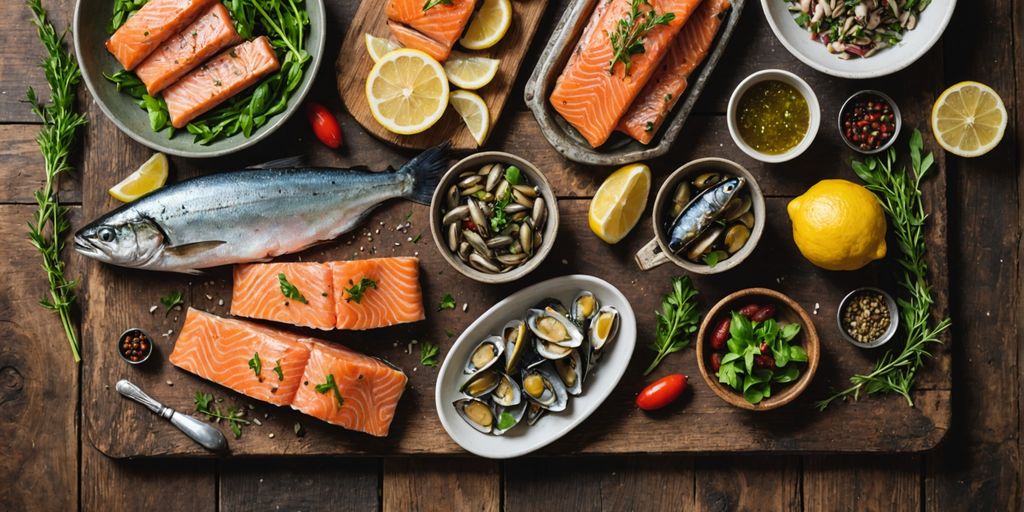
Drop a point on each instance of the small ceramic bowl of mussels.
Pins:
(535, 366)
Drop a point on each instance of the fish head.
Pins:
(726, 190)
(127, 242)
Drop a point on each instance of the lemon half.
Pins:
(619, 202)
(407, 90)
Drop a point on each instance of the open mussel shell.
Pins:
(514, 334)
(481, 383)
(553, 327)
(548, 351)
(570, 370)
(542, 386)
(477, 413)
(603, 328)
(485, 354)
(509, 417)
(702, 245)
(507, 393)
(583, 307)
(554, 304)
(533, 413)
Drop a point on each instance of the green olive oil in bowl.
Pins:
(773, 116)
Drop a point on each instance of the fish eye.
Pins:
(106, 234)
(730, 187)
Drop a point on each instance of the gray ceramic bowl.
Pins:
(90, 33)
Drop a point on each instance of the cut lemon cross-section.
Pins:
(378, 47)
(619, 203)
(407, 91)
(488, 25)
(969, 119)
(473, 111)
(150, 176)
(469, 72)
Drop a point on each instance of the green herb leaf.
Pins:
(741, 329)
(506, 420)
(234, 417)
(790, 331)
(289, 290)
(628, 37)
(513, 175)
(417, 237)
(428, 354)
(171, 300)
(330, 385)
(356, 291)
(797, 353)
(755, 394)
(202, 401)
(790, 374)
(447, 302)
(712, 258)
(430, 4)
(677, 321)
(256, 365)
(278, 370)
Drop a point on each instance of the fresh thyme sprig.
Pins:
(677, 321)
(628, 38)
(57, 135)
(234, 417)
(900, 195)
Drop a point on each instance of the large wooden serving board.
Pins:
(114, 299)
(354, 63)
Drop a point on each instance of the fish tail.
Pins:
(426, 169)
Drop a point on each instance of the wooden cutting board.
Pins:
(354, 64)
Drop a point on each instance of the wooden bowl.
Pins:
(536, 177)
(788, 311)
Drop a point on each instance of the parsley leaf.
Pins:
(278, 370)
(171, 300)
(355, 293)
(234, 417)
(289, 290)
(417, 238)
(447, 302)
(256, 365)
(330, 385)
(430, 4)
(428, 354)
(628, 37)
(677, 321)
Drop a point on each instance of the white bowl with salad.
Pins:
(858, 40)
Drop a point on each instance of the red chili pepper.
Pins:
(324, 124)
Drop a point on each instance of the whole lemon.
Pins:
(838, 225)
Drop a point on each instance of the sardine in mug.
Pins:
(656, 252)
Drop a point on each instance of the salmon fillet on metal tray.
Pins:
(219, 349)
(154, 23)
(257, 293)
(591, 98)
(433, 31)
(357, 392)
(219, 79)
(690, 48)
(210, 33)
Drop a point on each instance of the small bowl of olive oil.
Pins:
(773, 115)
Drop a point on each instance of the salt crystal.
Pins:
(270, 435)
(257, 422)
(209, 297)
(465, 307)
(152, 309)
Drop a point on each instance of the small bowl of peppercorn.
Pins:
(868, 317)
(134, 346)
(870, 122)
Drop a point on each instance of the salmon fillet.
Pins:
(219, 349)
(593, 100)
(154, 23)
(396, 299)
(644, 118)
(257, 293)
(369, 389)
(210, 33)
(219, 79)
(434, 31)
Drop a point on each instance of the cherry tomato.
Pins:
(661, 392)
(325, 125)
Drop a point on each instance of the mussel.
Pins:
(603, 328)
(533, 413)
(485, 354)
(570, 371)
(481, 383)
(554, 304)
(507, 392)
(514, 336)
(553, 327)
(477, 413)
(543, 387)
(736, 237)
(550, 351)
(584, 307)
(703, 245)
(509, 417)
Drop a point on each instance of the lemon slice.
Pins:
(378, 47)
(474, 112)
(468, 72)
(488, 25)
(619, 203)
(407, 91)
(150, 176)
(969, 119)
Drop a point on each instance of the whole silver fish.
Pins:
(702, 212)
(250, 215)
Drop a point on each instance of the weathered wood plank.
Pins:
(747, 483)
(862, 483)
(129, 486)
(21, 168)
(298, 484)
(38, 382)
(18, 38)
(599, 483)
(420, 484)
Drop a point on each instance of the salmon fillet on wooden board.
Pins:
(368, 390)
(397, 297)
(219, 349)
(219, 79)
(210, 33)
(591, 98)
(154, 23)
(434, 31)
(257, 293)
(645, 117)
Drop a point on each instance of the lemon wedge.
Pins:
(474, 113)
(150, 176)
(619, 203)
(407, 91)
(488, 25)
(469, 72)
(969, 119)
(378, 47)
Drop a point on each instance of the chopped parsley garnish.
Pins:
(233, 416)
(289, 290)
(430, 4)
(256, 365)
(171, 300)
(330, 385)
(417, 238)
(278, 370)
(447, 302)
(355, 293)
(428, 354)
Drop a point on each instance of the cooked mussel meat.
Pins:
(570, 371)
(553, 327)
(481, 383)
(543, 386)
(485, 354)
(603, 328)
(507, 392)
(477, 413)
(584, 307)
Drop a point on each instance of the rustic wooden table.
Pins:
(53, 465)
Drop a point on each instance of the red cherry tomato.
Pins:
(661, 392)
(325, 125)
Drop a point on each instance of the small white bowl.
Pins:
(812, 106)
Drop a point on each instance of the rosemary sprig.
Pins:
(628, 38)
(677, 321)
(60, 125)
(900, 195)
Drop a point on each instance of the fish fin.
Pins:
(426, 169)
(193, 248)
(288, 162)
